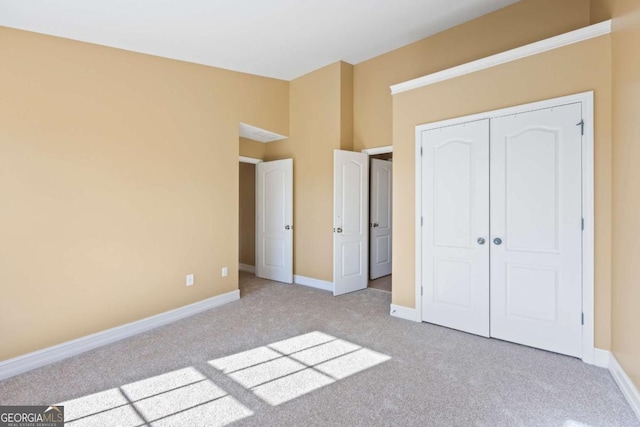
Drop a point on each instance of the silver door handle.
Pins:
(481, 240)
(288, 227)
(497, 241)
(375, 225)
(338, 230)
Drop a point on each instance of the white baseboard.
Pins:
(601, 358)
(405, 313)
(596, 357)
(627, 387)
(248, 268)
(37, 359)
(313, 283)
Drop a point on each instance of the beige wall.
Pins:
(247, 215)
(600, 10)
(573, 69)
(255, 149)
(117, 164)
(115, 176)
(524, 22)
(346, 106)
(315, 131)
(626, 186)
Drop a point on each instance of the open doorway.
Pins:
(265, 223)
(362, 234)
(380, 219)
(247, 217)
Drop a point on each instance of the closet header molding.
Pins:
(541, 46)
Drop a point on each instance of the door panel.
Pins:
(455, 206)
(536, 211)
(380, 221)
(351, 225)
(274, 210)
(532, 162)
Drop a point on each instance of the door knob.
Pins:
(481, 240)
(339, 230)
(288, 227)
(497, 241)
(375, 225)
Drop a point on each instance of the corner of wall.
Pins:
(600, 10)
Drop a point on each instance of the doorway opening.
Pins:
(247, 215)
(362, 220)
(380, 218)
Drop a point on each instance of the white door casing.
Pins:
(350, 221)
(536, 212)
(274, 220)
(455, 234)
(380, 218)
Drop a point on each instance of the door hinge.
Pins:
(582, 224)
(421, 221)
(581, 124)
(420, 151)
(582, 319)
(421, 291)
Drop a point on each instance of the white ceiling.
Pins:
(276, 38)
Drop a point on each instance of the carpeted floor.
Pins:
(286, 355)
(382, 284)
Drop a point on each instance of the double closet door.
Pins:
(502, 231)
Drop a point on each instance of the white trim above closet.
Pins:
(552, 43)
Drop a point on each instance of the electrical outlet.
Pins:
(190, 280)
(225, 271)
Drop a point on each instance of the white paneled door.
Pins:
(274, 220)
(350, 221)
(536, 230)
(380, 231)
(502, 234)
(455, 233)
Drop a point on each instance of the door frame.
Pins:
(588, 236)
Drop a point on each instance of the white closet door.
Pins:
(536, 235)
(380, 221)
(274, 211)
(455, 186)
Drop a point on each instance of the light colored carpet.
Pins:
(382, 284)
(286, 355)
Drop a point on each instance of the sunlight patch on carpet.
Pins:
(182, 397)
(288, 369)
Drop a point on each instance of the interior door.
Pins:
(274, 220)
(380, 234)
(455, 231)
(350, 221)
(536, 231)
